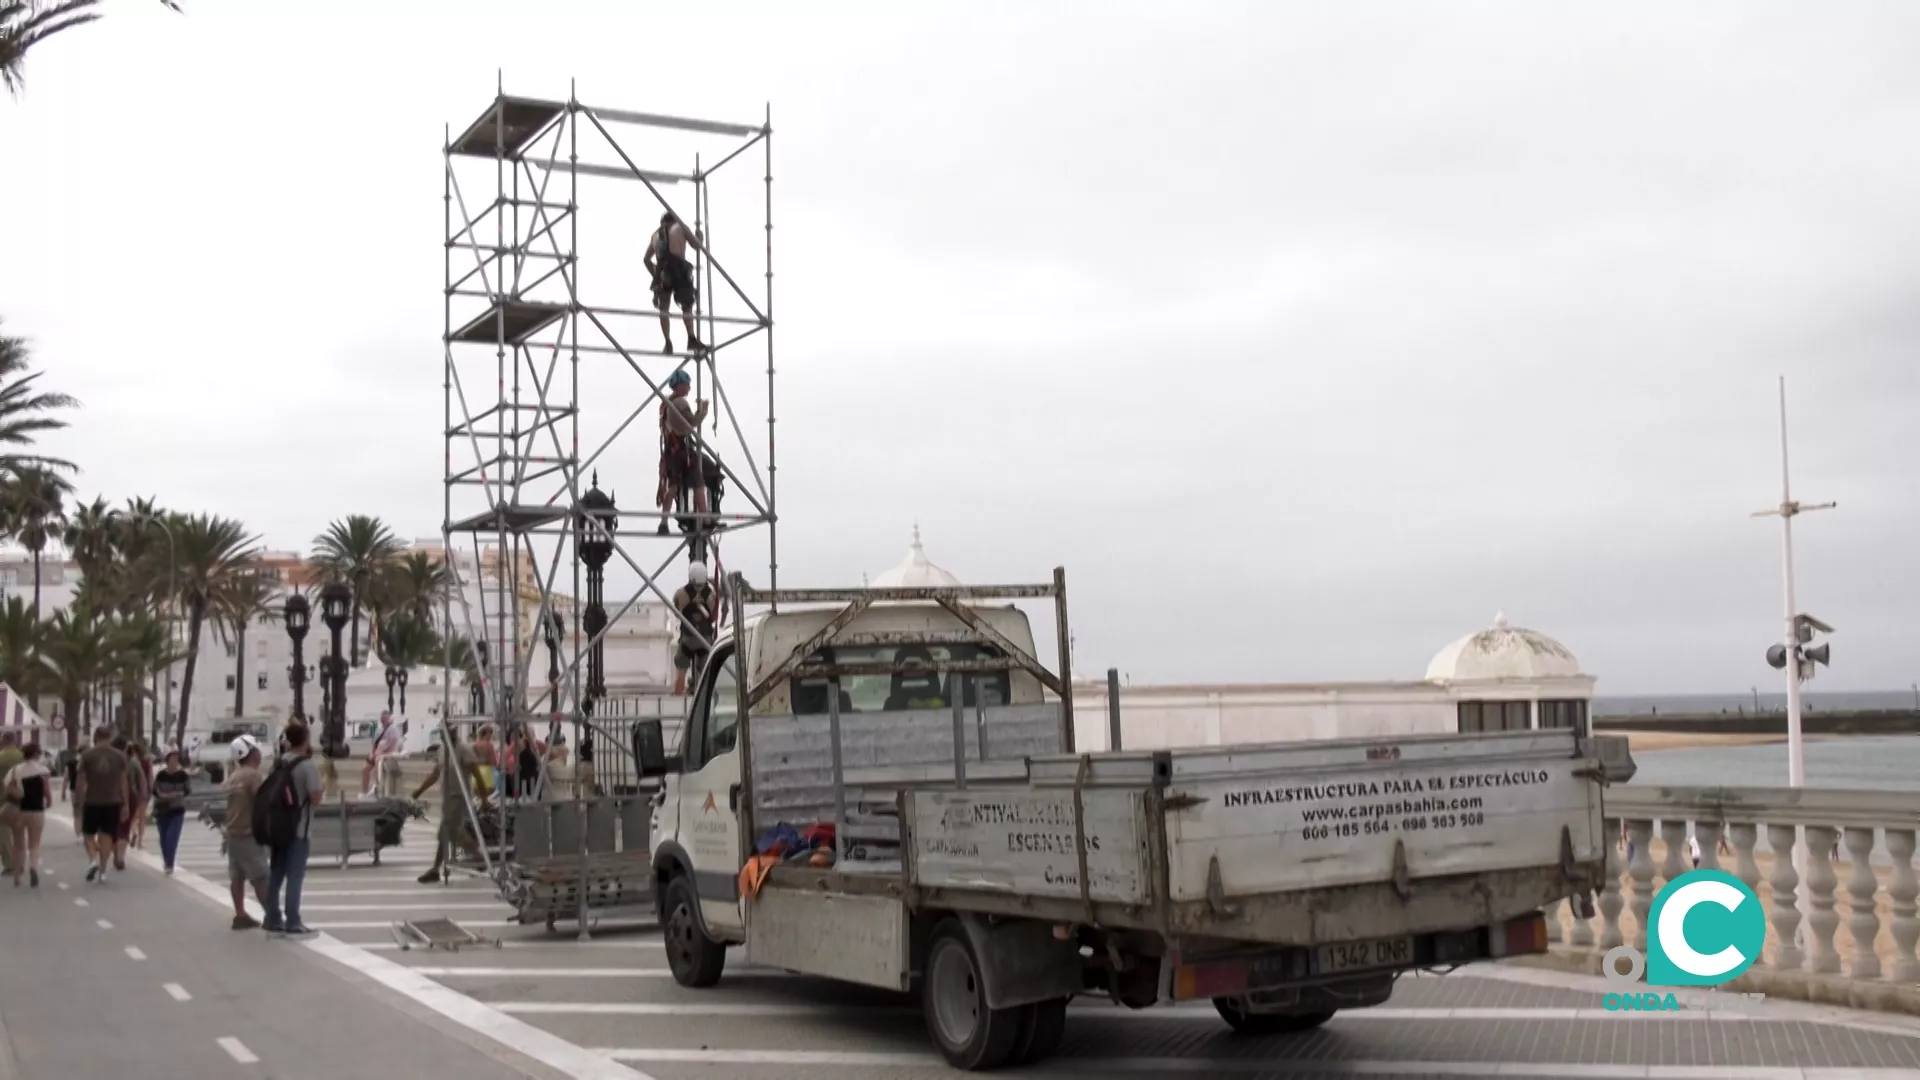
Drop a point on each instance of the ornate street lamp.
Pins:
(401, 674)
(552, 629)
(336, 608)
(393, 683)
(297, 614)
(594, 524)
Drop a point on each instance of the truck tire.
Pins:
(968, 1034)
(695, 959)
(1234, 1012)
(1041, 1030)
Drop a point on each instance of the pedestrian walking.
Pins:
(247, 861)
(458, 771)
(171, 786)
(29, 787)
(105, 797)
(11, 755)
(142, 792)
(283, 821)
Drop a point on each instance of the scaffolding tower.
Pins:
(575, 395)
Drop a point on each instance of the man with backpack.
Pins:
(282, 823)
(694, 604)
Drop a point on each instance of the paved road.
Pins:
(581, 1007)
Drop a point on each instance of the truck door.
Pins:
(710, 797)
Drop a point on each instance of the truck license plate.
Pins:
(1361, 955)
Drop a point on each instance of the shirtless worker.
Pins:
(680, 465)
(672, 276)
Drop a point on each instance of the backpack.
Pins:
(697, 617)
(276, 816)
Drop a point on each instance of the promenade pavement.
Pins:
(353, 1003)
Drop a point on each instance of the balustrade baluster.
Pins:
(1555, 912)
(1785, 882)
(1821, 882)
(1640, 872)
(1862, 887)
(1904, 890)
(1708, 833)
(1610, 901)
(1677, 862)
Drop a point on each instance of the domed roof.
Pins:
(915, 572)
(1503, 652)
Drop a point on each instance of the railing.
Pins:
(1867, 834)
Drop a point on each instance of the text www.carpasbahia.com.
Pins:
(1403, 815)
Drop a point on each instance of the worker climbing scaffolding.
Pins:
(672, 277)
(690, 479)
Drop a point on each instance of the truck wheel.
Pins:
(967, 1033)
(695, 959)
(1041, 1030)
(1234, 1012)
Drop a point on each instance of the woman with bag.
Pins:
(30, 786)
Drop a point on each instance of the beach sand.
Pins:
(1843, 941)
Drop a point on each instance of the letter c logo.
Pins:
(1708, 927)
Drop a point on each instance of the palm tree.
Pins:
(142, 645)
(415, 585)
(33, 512)
(358, 550)
(26, 23)
(21, 637)
(213, 555)
(26, 412)
(78, 657)
(90, 536)
(246, 600)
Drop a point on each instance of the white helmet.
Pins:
(697, 573)
(244, 747)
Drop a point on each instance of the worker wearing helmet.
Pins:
(679, 455)
(694, 603)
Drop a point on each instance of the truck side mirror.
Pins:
(649, 748)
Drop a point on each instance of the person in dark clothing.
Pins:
(694, 603)
(681, 470)
(29, 785)
(171, 786)
(672, 276)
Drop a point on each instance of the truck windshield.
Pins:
(900, 692)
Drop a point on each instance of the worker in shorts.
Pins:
(462, 765)
(247, 862)
(672, 276)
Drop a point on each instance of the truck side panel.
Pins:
(1286, 831)
(857, 939)
(1020, 841)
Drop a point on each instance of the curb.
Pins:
(1885, 997)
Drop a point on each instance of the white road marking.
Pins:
(571, 1061)
(134, 953)
(176, 991)
(62, 885)
(418, 890)
(103, 924)
(575, 973)
(237, 1050)
(497, 907)
(1225, 1066)
(1377, 1014)
(79, 901)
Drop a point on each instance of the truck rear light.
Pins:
(1191, 981)
(1525, 935)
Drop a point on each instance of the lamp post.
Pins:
(297, 615)
(393, 683)
(401, 674)
(594, 524)
(336, 607)
(552, 630)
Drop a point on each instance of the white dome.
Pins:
(916, 572)
(1503, 652)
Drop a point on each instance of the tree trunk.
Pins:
(196, 615)
(131, 718)
(353, 648)
(33, 695)
(71, 706)
(240, 673)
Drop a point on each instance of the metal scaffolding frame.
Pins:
(515, 472)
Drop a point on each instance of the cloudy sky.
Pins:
(1305, 340)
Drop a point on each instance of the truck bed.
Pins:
(1286, 844)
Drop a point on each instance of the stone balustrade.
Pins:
(1749, 832)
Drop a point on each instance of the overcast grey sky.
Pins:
(1304, 339)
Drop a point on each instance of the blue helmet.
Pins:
(679, 378)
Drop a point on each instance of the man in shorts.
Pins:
(681, 470)
(672, 276)
(106, 797)
(458, 762)
(246, 860)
